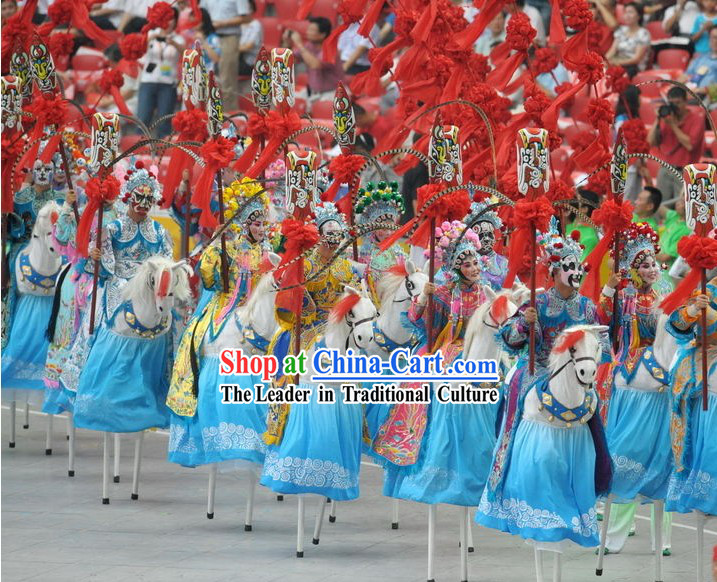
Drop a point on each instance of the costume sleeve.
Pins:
(209, 267)
(591, 318)
(167, 242)
(681, 324)
(107, 258)
(516, 331)
(65, 227)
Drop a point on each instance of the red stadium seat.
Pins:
(673, 59)
(272, 32)
(653, 90)
(648, 112)
(89, 61)
(324, 109)
(656, 30)
(286, 9)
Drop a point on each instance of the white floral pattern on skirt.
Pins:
(308, 472)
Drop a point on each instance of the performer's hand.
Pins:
(698, 304)
(95, 254)
(613, 280)
(530, 315)
(70, 197)
(429, 288)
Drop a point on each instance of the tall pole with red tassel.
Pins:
(345, 125)
(701, 216)
(618, 180)
(533, 181)
(445, 166)
(103, 151)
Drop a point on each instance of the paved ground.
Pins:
(55, 528)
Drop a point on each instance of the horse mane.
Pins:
(136, 287)
(567, 339)
(342, 308)
(245, 313)
(390, 281)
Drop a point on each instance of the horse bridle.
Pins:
(573, 360)
(406, 282)
(353, 324)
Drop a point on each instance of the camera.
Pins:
(666, 109)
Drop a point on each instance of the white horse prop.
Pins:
(650, 374)
(34, 274)
(250, 328)
(123, 385)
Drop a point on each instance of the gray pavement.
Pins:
(55, 528)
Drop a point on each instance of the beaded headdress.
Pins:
(378, 202)
(242, 197)
(557, 247)
(639, 241)
(490, 216)
(326, 212)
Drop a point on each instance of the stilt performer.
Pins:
(698, 249)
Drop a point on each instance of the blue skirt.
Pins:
(23, 359)
(549, 490)
(454, 460)
(320, 451)
(217, 431)
(638, 438)
(123, 386)
(695, 488)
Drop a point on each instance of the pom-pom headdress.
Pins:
(137, 177)
(244, 201)
(380, 202)
(557, 247)
(452, 248)
(639, 240)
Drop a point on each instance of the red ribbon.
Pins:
(217, 153)
(99, 191)
(299, 237)
(699, 252)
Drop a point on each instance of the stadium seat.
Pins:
(286, 9)
(324, 109)
(89, 61)
(653, 90)
(648, 112)
(272, 32)
(656, 30)
(673, 59)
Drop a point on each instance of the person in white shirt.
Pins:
(353, 49)
(159, 78)
(252, 37)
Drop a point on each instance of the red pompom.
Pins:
(575, 235)
(635, 134)
(344, 168)
(590, 68)
(533, 213)
(159, 15)
(48, 109)
(613, 216)
(219, 152)
(60, 11)
(520, 32)
(61, 44)
(299, 236)
(577, 14)
(599, 112)
(699, 252)
(111, 78)
(133, 46)
(617, 79)
(545, 60)
(191, 125)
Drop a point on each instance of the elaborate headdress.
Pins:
(639, 240)
(139, 181)
(557, 247)
(378, 202)
(450, 251)
(477, 213)
(326, 212)
(243, 197)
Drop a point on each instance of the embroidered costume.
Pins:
(203, 429)
(315, 448)
(693, 483)
(544, 478)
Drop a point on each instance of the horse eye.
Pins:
(410, 285)
(151, 281)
